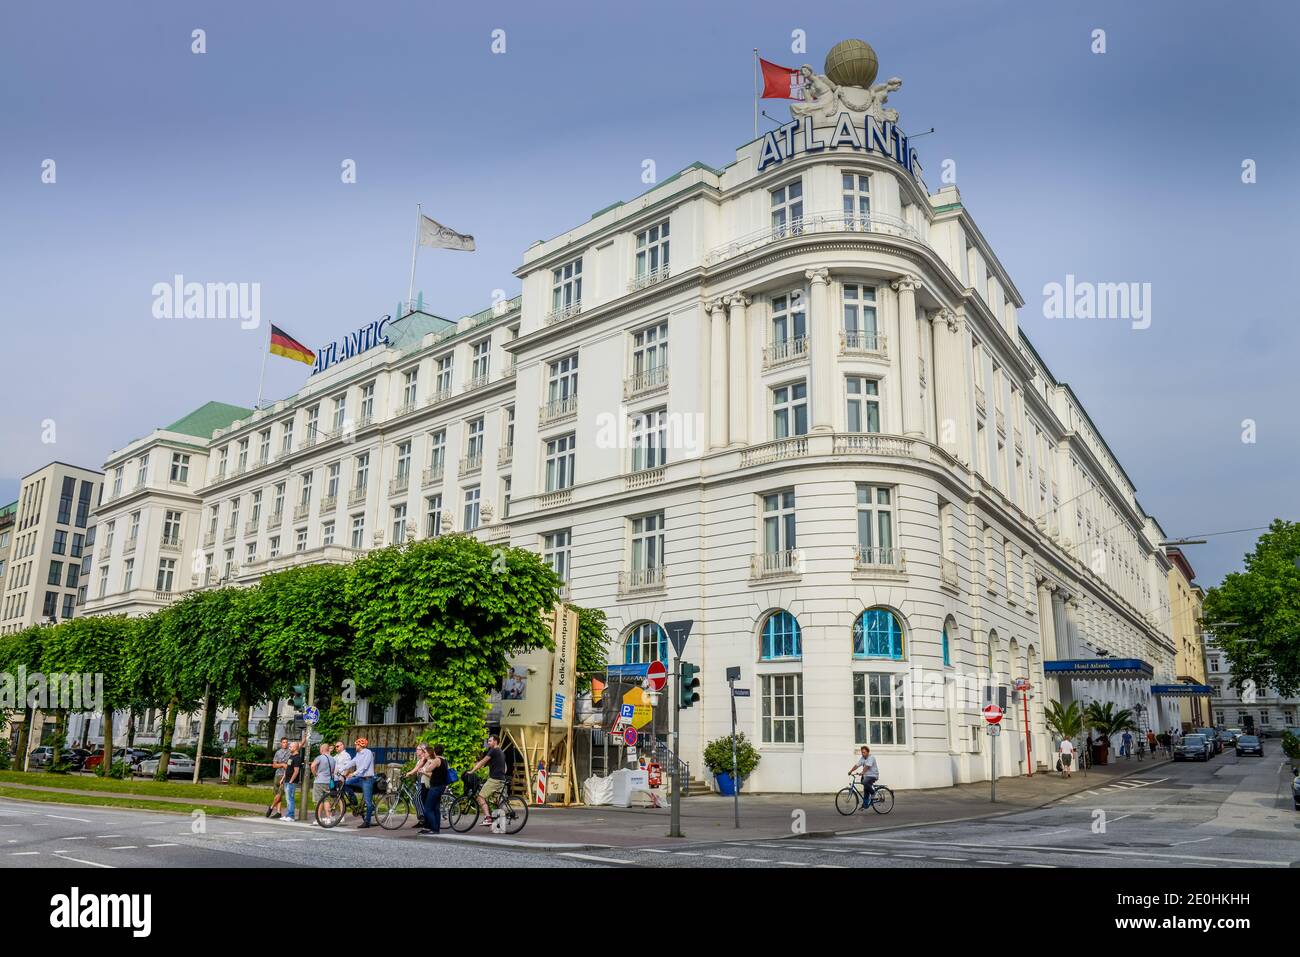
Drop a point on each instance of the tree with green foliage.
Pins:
(22, 650)
(1255, 614)
(1064, 722)
(442, 618)
(1105, 718)
(94, 646)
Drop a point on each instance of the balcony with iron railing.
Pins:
(328, 504)
(357, 494)
(276, 519)
(505, 455)
(210, 538)
(471, 463)
(871, 558)
(648, 278)
(557, 410)
(948, 573)
(406, 409)
(229, 534)
(432, 476)
(399, 484)
(646, 382)
(129, 545)
(834, 221)
(169, 543)
(301, 511)
(861, 343)
(438, 395)
(637, 581)
(478, 382)
(564, 312)
(250, 526)
(787, 563)
(784, 351)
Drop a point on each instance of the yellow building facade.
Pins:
(1185, 606)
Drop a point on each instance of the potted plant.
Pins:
(718, 759)
(1107, 722)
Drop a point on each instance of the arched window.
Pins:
(781, 638)
(949, 630)
(877, 634)
(645, 643)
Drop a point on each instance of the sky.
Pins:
(226, 166)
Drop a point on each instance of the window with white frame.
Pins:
(300, 540)
(442, 376)
(432, 516)
(241, 460)
(404, 462)
(228, 564)
(790, 410)
(340, 411)
(360, 472)
(142, 472)
(878, 713)
(134, 532)
(128, 571)
(332, 480)
(789, 320)
(110, 526)
(250, 553)
(562, 383)
(180, 467)
(117, 475)
(650, 355)
(367, 402)
(304, 489)
(505, 496)
(358, 531)
(166, 574)
(859, 310)
(399, 524)
(782, 709)
(264, 447)
(652, 251)
(327, 533)
(875, 505)
(779, 522)
(862, 395)
(648, 541)
(560, 456)
(437, 451)
(566, 286)
(508, 428)
(410, 386)
(286, 437)
(480, 354)
(171, 527)
(649, 436)
(474, 440)
(787, 209)
(471, 508)
(103, 579)
(313, 423)
(273, 547)
(556, 552)
(856, 191)
(277, 501)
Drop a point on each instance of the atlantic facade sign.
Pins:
(802, 135)
(353, 344)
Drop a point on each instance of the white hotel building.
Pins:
(840, 457)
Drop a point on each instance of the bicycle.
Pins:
(509, 814)
(849, 799)
(340, 798)
(1141, 749)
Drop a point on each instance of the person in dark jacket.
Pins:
(437, 771)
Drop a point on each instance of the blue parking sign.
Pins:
(626, 711)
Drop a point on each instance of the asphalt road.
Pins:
(1230, 812)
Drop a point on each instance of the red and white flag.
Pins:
(780, 82)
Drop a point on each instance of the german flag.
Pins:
(283, 344)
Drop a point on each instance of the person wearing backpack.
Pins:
(440, 776)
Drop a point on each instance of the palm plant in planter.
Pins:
(717, 757)
(1107, 721)
(1065, 722)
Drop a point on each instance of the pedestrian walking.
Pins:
(439, 778)
(1152, 743)
(1126, 744)
(292, 778)
(279, 761)
(1067, 756)
(359, 773)
(322, 771)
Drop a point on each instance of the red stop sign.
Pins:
(657, 675)
(992, 713)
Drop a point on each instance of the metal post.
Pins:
(993, 781)
(735, 764)
(604, 757)
(675, 805)
(1029, 747)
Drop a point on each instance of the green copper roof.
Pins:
(206, 419)
(9, 509)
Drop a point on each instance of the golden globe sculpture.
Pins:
(852, 63)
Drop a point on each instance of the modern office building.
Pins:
(8, 517)
(48, 540)
(787, 399)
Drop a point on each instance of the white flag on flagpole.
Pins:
(440, 237)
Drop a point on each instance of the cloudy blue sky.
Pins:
(1123, 166)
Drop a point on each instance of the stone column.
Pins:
(909, 352)
(1072, 627)
(1060, 626)
(1046, 623)
(717, 374)
(738, 370)
(822, 339)
(948, 382)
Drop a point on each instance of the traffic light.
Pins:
(299, 697)
(687, 682)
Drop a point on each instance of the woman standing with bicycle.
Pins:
(421, 774)
(437, 767)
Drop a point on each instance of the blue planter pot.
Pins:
(727, 785)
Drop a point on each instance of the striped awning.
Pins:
(1182, 691)
(1099, 668)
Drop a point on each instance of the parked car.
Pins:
(1216, 742)
(76, 758)
(40, 757)
(1192, 747)
(178, 766)
(132, 757)
(1249, 744)
(1230, 736)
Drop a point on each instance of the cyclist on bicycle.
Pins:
(495, 759)
(870, 772)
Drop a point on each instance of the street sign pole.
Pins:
(732, 675)
(675, 804)
(993, 782)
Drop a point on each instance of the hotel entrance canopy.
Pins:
(1182, 691)
(1099, 668)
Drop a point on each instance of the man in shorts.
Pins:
(280, 761)
(495, 760)
(1067, 756)
(322, 772)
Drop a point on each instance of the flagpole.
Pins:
(410, 289)
(755, 92)
(261, 379)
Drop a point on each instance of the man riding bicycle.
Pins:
(870, 773)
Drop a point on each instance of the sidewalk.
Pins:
(763, 817)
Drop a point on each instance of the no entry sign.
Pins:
(657, 675)
(992, 713)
